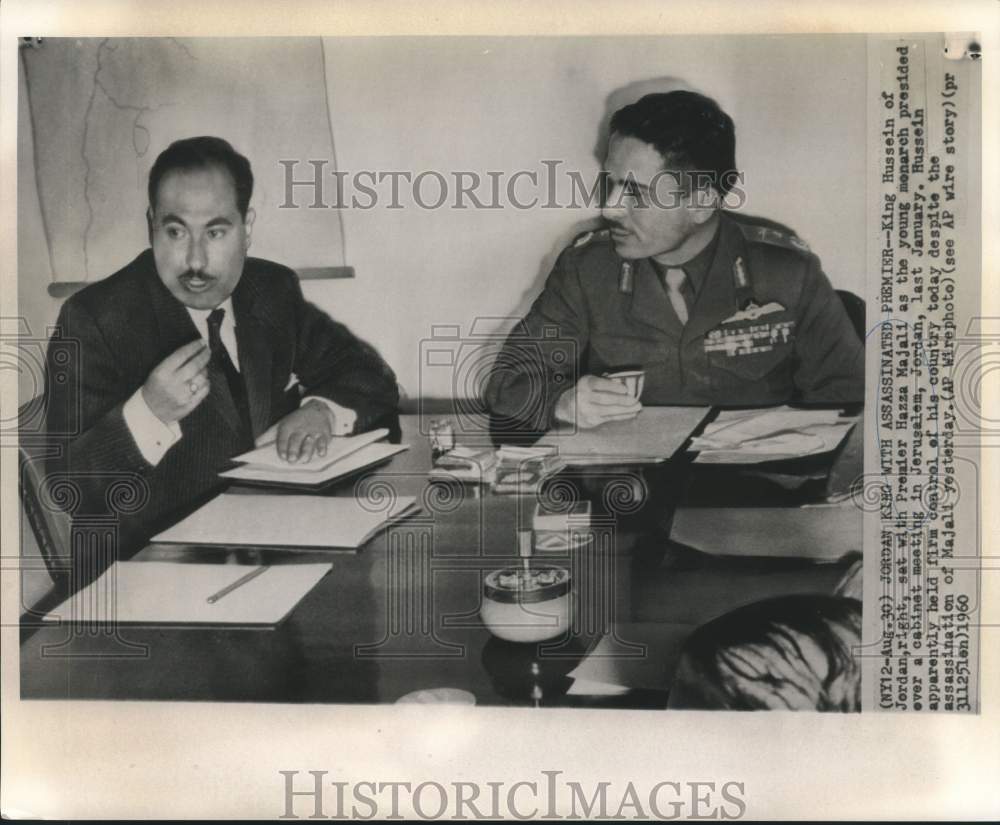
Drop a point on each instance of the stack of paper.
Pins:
(753, 436)
(287, 521)
(523, 469)
(266, 455)
(344, 455)
(153, 592)
(655, 434)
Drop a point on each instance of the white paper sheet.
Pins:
(285, 521)
(154, 592)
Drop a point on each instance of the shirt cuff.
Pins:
(342, 419)
(151, 436)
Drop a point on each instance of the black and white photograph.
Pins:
(549, 382)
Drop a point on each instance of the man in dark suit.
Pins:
(715, 307)
(187, 353)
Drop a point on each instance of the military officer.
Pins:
(714, 306)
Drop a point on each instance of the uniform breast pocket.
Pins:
(617, 352)
(751, 377)
(751, 352)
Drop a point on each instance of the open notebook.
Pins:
(311, 522)
(155, 592)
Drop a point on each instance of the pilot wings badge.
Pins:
(753, 311)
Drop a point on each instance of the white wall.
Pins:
(482, 104)
(37, 310)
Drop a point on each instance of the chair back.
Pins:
(40, 501)
(855, 308)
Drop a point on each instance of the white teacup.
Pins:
(633, 380)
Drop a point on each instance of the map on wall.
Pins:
(103, 109)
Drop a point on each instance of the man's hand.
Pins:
(305, 433)
(595, 400)
(179, 383)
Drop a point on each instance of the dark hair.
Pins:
(782, 653)
(202, 153)
(689, 130)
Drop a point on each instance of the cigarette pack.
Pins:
(576, 516)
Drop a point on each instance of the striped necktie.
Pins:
(675, 278)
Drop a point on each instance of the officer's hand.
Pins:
(305, 433)
(595, 400)
(179, 383)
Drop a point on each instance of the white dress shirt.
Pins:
(154, 438)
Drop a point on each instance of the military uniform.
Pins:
(766, 327)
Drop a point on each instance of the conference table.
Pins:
(402, 614)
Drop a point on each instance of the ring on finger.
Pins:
(193, 386)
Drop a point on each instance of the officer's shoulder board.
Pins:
(774, 237)
(585, 238)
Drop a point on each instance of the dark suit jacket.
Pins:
(583, 322)
(120, 328)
